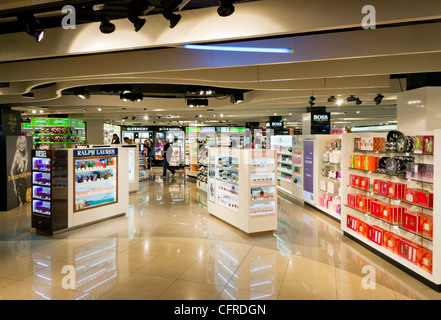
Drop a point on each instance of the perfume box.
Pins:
(362, 228)
(426, 172)
(424, 198)
(408, 250)
(410, 221)
(377, 209)
(428, 144)
(352, 199)
(357, 162)
(364, 183)
(396, 190)
(384, 187)
(352, 223)
(392, 213)
(367, 144)
(424, 259)
(353, 180)
(379, 144)
(375, 234)
(413, 171)
(391, 242)
(357, 144)
(418, 144)
(426, 225)
(409, 195)
(370, 163)
(376, 186)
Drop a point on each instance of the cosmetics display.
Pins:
(388, 192)
(202, 177)
(52, 133)
(95, 182)
(243, 181)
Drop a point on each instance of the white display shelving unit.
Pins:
(289, 164)
(415, 251)
(324, 192)
(329, 174)
(242, 188)
(202, 179)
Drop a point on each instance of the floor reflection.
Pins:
(167, 246)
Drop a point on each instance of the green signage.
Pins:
(48, 122)
(193, 129)
(26, 125)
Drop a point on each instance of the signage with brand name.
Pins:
(320, 117)
(40, 154)
(320, 123)
(82, 153)
(138, 129)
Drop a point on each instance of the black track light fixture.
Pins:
(237, 98)
(351, 98)
(332, 99)
(226, 8)
(173, 18)
(311, 101)
(31, 26)
(378, 99)
(106, 26)
(137, 8)
(358, 101)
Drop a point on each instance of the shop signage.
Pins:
(41, 154)
(170, 129)
(77, 123)
(81, 153)
(46, 122)
(138, 129)
(192, 129)
(10, 122)
(320, 123)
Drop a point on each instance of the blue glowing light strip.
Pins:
(238, 49)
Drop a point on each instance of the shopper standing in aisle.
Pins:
(115, 139)
(166, 155)
(151, 154)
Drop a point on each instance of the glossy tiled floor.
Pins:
(169, 247)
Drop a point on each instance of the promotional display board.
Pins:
(308, 170)
(16, 171)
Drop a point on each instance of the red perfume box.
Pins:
(428, 144)
(377, 209)
(362, 228)
(410, 221)
(408, 250)
(352, 222)
(364, 183)
(396, 190)
(424, 198)
(424, 259)
(392, 213)
(384, 187)
(353, 180)
(352, 200)
(426, 225)
(409, 195)
(376, 186)
(391, 242)
(375, 234)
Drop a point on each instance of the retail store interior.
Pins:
(220, 150)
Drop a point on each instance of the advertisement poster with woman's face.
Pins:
(19, 170)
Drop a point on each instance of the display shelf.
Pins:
(414, 248)
(289, 166)
(253, 199)
(52, 133)
(394, 225)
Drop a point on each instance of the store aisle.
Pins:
(169, 247)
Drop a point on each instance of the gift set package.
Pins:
(359, 182)
(419, 197)
(420, 172)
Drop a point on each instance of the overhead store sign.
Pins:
(54, 122)
(82, 153)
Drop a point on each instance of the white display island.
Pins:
(242, 188)
(76, 187)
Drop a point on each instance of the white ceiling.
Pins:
(349, 62)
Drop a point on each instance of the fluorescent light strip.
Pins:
(238, 49)
(379, 128)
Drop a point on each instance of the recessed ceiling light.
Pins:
(99, 109)
(34, 111)
(41, 111)
(339, 102)
(222, 115)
